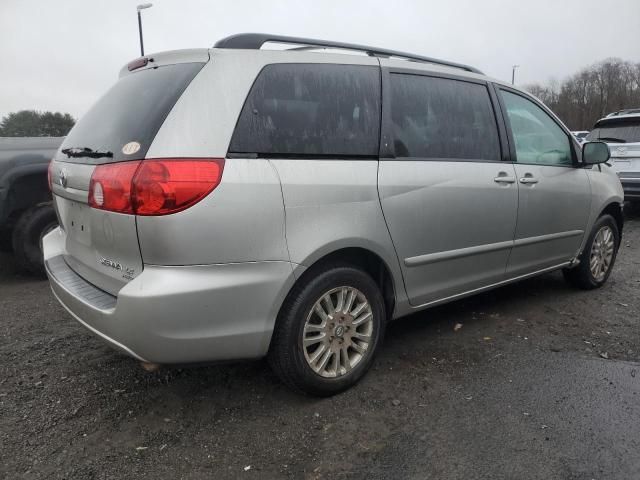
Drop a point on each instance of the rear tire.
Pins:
(5, 241)
(594, 254)
(351, 325)
(32, 225)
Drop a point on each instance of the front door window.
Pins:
(539, 140)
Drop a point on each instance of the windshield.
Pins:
(617, 132)
(124, 122)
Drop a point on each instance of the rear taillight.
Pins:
(170, 185)
(111, 187)
(154, 186)
(49, 175)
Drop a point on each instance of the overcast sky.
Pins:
(61, 55)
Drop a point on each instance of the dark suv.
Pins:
(26, 211)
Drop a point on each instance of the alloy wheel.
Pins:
(338, 332)
(601, 255)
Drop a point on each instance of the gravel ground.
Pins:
(541, 381)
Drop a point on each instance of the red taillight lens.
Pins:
(138, 63)
(49, 175)
(155, 186)
(110, 187)
(166, 186)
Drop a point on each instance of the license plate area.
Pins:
(76, 222)
(626, 164)
(101, 246)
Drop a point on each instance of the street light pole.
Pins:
(138, 8)
(513, 74)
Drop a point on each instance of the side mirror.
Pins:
(594, 153)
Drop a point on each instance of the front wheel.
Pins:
(598, 257)
(328, 331)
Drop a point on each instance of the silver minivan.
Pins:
(239, 202)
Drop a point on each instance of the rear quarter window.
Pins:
(442, 118)
(311, 110)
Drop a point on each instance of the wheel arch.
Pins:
(25, 188)
(615, 210)
(367, 259)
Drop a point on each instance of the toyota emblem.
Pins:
(63, 179)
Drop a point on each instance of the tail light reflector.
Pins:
(154, 186)
(49, 175)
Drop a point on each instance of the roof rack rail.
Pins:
(255, 41)
(625, 111)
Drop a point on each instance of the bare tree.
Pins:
(592, 93)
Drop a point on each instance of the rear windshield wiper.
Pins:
(613, 139)
(85, 152)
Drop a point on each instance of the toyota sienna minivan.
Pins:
(239, 202)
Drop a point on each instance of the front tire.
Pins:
(328, 331)
(598, 257)
(27, 237)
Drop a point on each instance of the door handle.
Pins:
(504, 178)
(527, 180)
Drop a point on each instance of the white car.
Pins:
(581, 135)
(621, 131)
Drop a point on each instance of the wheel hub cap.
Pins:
(337, 332)
(601, 253)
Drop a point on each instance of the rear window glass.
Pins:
(442, 118)
(619, 131)
(131, 111)
(311, 109)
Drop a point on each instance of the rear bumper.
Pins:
(175, 315)
(631, 186)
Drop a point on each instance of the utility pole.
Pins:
(513, 74)
(138, 8)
